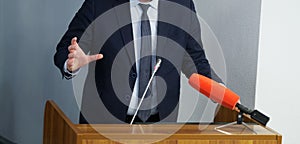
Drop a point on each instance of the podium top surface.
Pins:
(177, 130)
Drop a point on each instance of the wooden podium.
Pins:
(58, 129)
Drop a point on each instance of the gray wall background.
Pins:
(30, 30)
(235, 24)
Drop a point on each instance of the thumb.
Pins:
(74, 41)
(95, 57)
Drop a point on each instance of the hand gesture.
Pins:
(77, 58)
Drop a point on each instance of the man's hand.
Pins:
(77, 58)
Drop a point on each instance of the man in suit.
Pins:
(124, 39)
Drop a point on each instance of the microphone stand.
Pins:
(255, 115)
(240, 121)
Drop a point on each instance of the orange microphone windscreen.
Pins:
(214, 91)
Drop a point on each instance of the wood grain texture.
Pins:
(127, 142)
(226, 142)
(58, 129)
(227, 115)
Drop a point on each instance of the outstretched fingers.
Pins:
(95, 57)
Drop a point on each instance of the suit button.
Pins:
(133, 75)
(127, 97)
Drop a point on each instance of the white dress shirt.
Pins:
(136, 14)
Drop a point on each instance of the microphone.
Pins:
(156, 67)
(224, 96)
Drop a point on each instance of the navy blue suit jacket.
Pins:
(108, 89)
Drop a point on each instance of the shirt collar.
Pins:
(152, 3)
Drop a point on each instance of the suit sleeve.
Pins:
(196, 52)
(82, 19)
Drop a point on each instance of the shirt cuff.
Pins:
(68, 74)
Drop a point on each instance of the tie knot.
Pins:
(144, 7)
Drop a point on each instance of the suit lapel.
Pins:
(163, 33)
(162, 29)
(124, 18)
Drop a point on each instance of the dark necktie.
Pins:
(145, 64)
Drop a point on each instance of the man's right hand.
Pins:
(77, 58)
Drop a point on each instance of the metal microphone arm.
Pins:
(254, 114)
